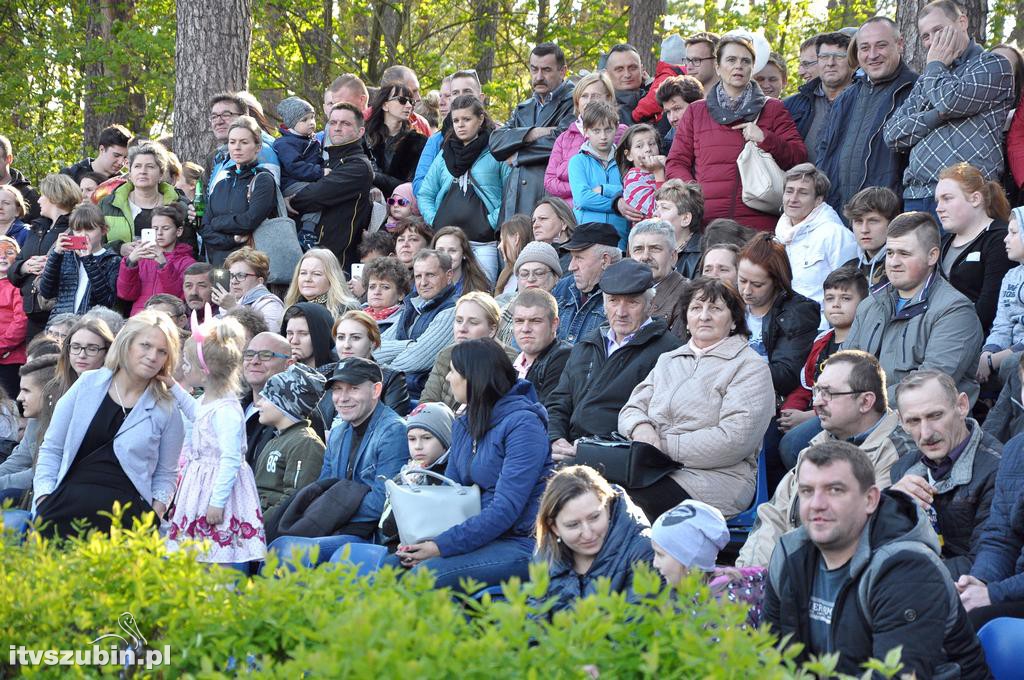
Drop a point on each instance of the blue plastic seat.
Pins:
(1002, 640)
(741, 525)
(367, 557)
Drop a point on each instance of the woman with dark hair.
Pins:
(515, 232)
(467, 275)
(500, 444)
(782, 323)
(84, 349)
(588, 529)
(464, 184)
(706, 405)
(394, 145)
(37, 398)
(411, 236)
(387, 281)
(713, 132)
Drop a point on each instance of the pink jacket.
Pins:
(137, 284)
(567, 145)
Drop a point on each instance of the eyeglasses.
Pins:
(532, 274)
(398, 200)
(808, 64)
(227, 115)
(88, 350)
(831, 56)
(240, 276)
(825, 394)
(401, 99)
(263, 354)
(697, 61)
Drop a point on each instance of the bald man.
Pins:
(267, 354)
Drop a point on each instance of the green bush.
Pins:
(329, 623)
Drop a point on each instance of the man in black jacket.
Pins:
(605, 366)
(862, 575)
(343, 195)
(16, 179)
(535, 328)
(526, 140)
(953, 474)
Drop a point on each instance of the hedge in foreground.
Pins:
(329, 623)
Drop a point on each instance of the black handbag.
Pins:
(632, 465)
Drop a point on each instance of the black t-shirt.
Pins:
(827, 584)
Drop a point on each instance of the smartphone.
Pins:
(149, 235)
(221, 277)
(357, 270)
(78, 242)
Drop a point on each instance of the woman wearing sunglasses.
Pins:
(394, 145)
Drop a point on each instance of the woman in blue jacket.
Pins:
(501, 445)
(588, 529)
(463, 187)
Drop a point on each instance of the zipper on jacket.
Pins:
(298, 469)
(867, 157)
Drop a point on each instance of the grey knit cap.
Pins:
(434, 417)
(673, 50)
(292, 110)
(538, 251)
(296, 391)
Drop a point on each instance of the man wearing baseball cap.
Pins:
(605, 366)
(369, 444)
(594, 247)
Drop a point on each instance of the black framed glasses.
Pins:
(263, 354)
(401, 99)
(825, 394)
(697, 61)
(226, 115)
(88, 350)
(240, 276)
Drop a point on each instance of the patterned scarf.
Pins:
(381, 314)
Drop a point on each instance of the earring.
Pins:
(558, 539)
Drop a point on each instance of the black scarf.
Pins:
(459, 157)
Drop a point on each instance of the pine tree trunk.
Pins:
(212, 52)
(645, 18)
(906, 18)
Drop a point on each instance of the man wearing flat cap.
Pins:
(594, 246)
(606, 365)
(369, 444)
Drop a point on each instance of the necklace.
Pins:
(120, 399)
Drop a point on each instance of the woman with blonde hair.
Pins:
(588, 529)
(476, 316)
(975, 215)
(590, 88)
(319, 278)
(116, 435)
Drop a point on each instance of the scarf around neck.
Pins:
(459, 157)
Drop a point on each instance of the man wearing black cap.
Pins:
(594, 246)
(606, 365)
(369, 445)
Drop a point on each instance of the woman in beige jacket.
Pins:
(706, 405)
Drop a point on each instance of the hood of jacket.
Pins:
(787, 232)
(320, 321)
(119, 197)
(522, 396)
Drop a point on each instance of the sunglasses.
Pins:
(401, 99)
(398, 200)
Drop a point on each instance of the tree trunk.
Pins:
(1017, 34)
(486, 33)
(543, 9)
(104, 105)
(645, 18)
(212, 51)
(907, 12)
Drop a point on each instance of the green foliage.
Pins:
(330, 622)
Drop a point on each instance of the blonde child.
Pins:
(216, 500)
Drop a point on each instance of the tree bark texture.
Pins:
(907, 12)
(99, 75)
(645, 19)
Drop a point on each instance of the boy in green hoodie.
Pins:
(293, 458)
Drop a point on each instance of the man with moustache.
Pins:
(197, 287)
(526, 140)
(653, 243)
(850, 399)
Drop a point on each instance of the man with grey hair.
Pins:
(593, 246)
(605, 366)
(459, 83)
(653, 243)
(852, 150)
(816, 240)
(956, 109)
(952, 475)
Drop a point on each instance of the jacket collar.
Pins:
(654, 328)
(917, 305)
(963, 468)
(727, 349)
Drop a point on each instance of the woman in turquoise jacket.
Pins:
(463, 187)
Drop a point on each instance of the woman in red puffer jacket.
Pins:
(712, 132)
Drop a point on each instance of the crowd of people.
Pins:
(821, 293)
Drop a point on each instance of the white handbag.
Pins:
(424, 511)
(762, 179)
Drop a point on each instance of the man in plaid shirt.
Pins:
(956, 110)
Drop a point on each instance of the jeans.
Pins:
(283, 546)
(798, 439)
(927, 205)
(487, 256)
(492, 564)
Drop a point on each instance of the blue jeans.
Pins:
(492, 564)
(283, 546)
(927, 205)
(798, 439)
(487, 256)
